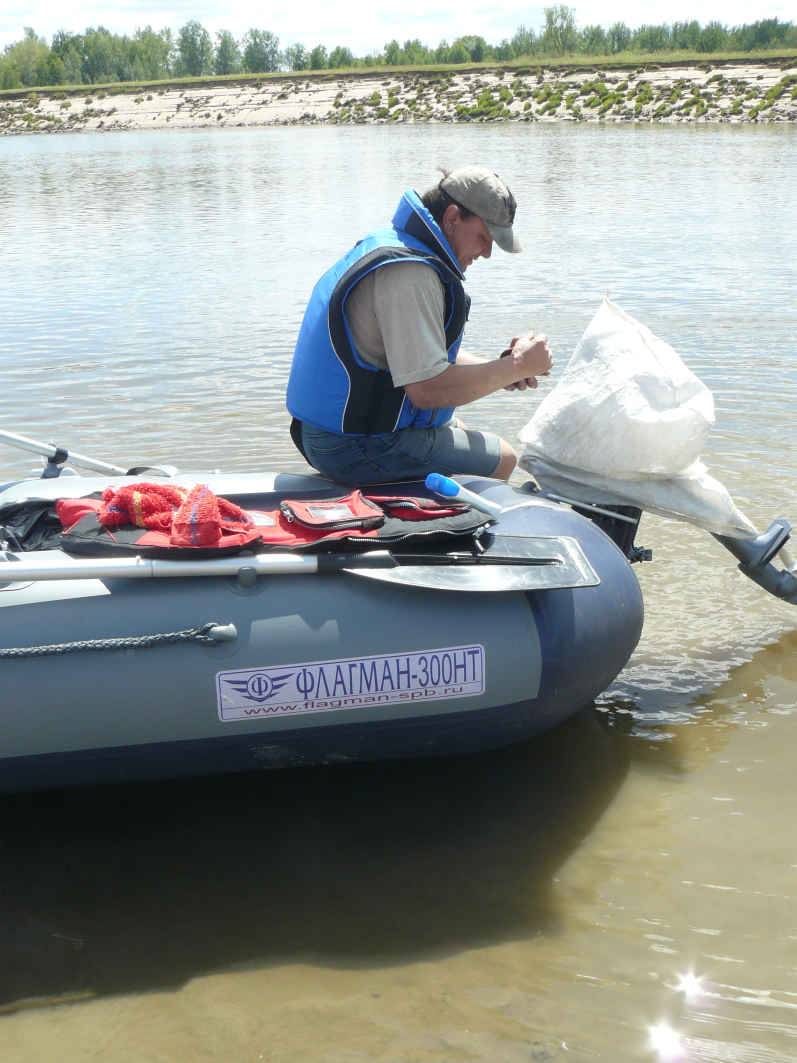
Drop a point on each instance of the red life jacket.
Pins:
(195, 523)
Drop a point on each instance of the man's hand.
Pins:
(529, 353)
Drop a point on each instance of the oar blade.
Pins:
(518, 563)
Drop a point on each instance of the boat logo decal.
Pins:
(352, 682)
(260, 685)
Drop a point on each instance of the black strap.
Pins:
(296, 436)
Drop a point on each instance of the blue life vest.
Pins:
(330, 385)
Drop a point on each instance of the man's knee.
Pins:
(506, 466)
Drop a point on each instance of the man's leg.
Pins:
(408, 455)
(506, 466)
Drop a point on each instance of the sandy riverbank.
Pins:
(730, 91)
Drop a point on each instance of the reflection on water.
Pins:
(146, 887)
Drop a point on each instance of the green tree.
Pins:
(318, 58)
(415, 52)
(713, 38)
(524, 41)
(618, 37)
(476, 48)
(227, 59)
(27, 61)
(393, 56)
(297, 57)
(101, 55)
(340, 57)
(9, 75)
(458, 53)
(559, 36)
(685, 35)
(156, 52)
(261, 51)
(768, 33)
(592, 41)
(66, 51)
(651, 39)
(195, 50)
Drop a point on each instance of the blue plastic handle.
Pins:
(448, 488)
(443, 485)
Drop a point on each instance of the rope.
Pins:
(133, 642)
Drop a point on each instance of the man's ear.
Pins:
(450, 215)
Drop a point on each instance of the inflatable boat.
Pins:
(155, 623)
(129, 653)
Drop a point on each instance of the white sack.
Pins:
(626, 405)
(695, 496)
(625, 426)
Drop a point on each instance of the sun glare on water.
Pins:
(666, 1042)
(690, 985)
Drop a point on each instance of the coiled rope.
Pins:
(133, 642)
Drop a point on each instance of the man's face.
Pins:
(469, 237)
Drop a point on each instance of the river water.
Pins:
(623, 888)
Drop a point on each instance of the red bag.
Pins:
(353, 511)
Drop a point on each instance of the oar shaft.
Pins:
(155, 568)
(48, 450)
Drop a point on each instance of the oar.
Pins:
(58, 455)
(538, 564)
(245, 567)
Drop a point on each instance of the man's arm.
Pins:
(468, 358)
(471, 379)
(409, 307)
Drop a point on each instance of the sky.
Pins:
(364, 26)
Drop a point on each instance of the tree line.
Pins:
(98, 56)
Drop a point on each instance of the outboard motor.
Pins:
(756, 558)
(620, 523)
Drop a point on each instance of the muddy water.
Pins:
(621, 889)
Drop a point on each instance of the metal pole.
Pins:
(50, 451)
(275, 564)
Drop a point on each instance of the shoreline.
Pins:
(730, 91)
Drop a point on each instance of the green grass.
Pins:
(778, 90)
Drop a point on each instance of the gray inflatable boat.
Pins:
(146, 663)
(123, 667)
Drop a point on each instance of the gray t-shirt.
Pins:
(396, 318)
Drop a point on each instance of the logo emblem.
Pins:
(259, 686)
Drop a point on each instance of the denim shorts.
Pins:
(408, 454)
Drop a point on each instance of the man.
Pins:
(377, 372)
